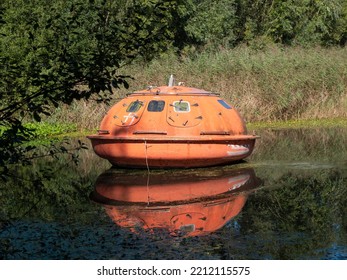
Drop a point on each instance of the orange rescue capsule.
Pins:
(172, 126)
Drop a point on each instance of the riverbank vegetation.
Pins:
(66, 62)
(269, 85)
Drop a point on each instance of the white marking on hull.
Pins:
(127, 117)
(237, 150)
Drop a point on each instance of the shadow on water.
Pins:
(287, 201)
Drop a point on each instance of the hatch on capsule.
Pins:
(129, 112)
(184, 112)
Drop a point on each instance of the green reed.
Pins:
(272, 84)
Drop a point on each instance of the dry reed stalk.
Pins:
(269, 85)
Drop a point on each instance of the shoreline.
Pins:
(289, 124)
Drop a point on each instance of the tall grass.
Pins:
(264, 85)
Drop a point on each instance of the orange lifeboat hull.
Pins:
(172, 152)
(172, 126)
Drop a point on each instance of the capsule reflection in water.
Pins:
(189, 203)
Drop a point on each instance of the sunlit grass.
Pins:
(273, 85)
(310, 123)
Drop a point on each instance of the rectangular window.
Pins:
(134, 106)
(156, 106)
(225, 105)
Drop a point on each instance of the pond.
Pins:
(287, 201)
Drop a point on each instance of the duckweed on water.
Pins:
(42, 130)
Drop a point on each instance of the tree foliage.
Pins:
(69, 50)
(60, 51)
(300, 22)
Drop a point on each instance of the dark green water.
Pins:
(287, 201)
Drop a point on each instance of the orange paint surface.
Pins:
(182, 204)
(172, 127)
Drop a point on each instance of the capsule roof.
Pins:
(173, 90)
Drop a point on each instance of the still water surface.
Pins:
(287, 201)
